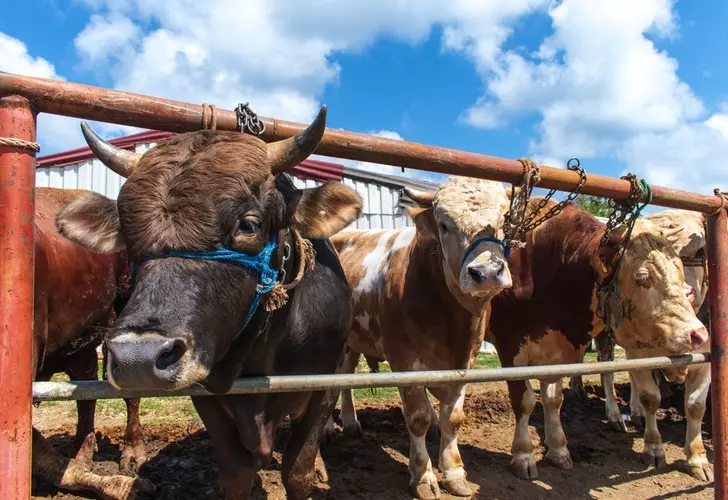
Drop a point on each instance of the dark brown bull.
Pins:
(76, 292)
(211, 222)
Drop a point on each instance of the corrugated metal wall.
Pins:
(380, 209)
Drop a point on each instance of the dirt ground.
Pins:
(606, 463)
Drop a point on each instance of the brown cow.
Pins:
(234, 277)
(421, 298)
(75, 295)
(550, 314)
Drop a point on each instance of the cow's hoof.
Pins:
(562, 461)
(353, 430)
(85, 453)
(458, 487)
(132, 458)
(124, 488)
(321, 474)
(618, 425)
(657, 461)
(524, 467)
(701, 472)
(426, 488)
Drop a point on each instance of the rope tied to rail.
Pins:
(14, 142)
(209, 116)
(623, 213)
(720, 194)
(517, 223)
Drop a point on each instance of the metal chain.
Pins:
(248, 120)
(622, 213)
(516, 223)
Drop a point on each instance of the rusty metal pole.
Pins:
(17, 259)
(717, 235)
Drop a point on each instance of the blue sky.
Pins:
(623, 85)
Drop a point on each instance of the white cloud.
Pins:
(104, 36)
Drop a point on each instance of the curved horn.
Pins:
(672, 232)
(292, 151)
(422, 198)
(119, 160)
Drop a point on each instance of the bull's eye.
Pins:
(247, 226)
(643, 278)
(443, 227)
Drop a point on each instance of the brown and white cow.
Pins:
(549, 316)
(686, 231)
(421, 299)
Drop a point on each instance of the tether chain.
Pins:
(13, 142)
(248, 120)
(622, 213)
(516, 223)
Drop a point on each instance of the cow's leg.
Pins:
(697, 386)
(636, 411)
(351, 425)
(552, 397)
(451, 417)
(70, 474)
(523, 401)
(576, 386)
(299, 466)
(236, 468)
(605, 352)
(84, 366)
(649, 397)
(417, 414)
(433, 433)
(134, 454)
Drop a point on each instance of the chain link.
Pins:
(516, 223)
(248, 120)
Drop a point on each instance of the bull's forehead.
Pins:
(648, 246)
(692, 237)
(471, 204)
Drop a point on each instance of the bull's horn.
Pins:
(669, 233)
(290, 152)
(119, 160)
(422, 198)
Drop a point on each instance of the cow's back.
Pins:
(403, 310)
(75, 288)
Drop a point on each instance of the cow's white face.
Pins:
(686, 231)
(652, 308)
(465, 216)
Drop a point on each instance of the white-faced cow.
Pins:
(686, 231)
(421, 298)
(550, 314)
(234, 276)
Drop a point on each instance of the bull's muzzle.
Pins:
(146, 361)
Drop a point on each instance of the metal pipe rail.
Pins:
(114, 106)
(87, 390)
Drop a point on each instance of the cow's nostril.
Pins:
(476, 274)
(170, 355)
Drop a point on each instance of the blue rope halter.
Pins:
(260, 263)
(490, 239)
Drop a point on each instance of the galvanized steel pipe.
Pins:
(70, 391)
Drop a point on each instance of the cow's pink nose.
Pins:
(698, 337)
(690, 292)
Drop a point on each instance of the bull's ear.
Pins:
(424, 220)
(324, 211)
(92, 221)
(606, 256)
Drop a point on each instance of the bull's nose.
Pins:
(699, 337)
(480, 273)
(147, 361)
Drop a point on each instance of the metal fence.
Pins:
(22, 97)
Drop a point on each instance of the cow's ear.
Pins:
(92, 221)
(424, 220)
(606, 256)
(324, 211)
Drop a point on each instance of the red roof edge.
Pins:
(308, 169)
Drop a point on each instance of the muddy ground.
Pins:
(606, 463)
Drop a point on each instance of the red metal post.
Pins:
(718, 296)
(17, 259)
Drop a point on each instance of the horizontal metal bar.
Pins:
(113, 106)
(69, 391)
